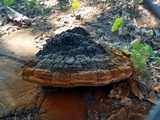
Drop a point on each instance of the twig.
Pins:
(17, 17)
(154, 67)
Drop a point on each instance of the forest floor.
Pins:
(21, 38)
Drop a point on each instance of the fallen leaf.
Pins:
(136, 91)
(152, 97)
(156, 87)
(126, 101)
(117, 24)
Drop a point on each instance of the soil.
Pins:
(21, 40)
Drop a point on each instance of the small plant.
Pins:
(35, 3)
(8, 2)
(139, 56)
(31, 1)
(75, 5)
(117, 24)
(63, 7)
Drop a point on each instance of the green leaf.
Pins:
(150, 51)
(157, 62)
(8, 2)
(143, 59)
(117, 24)
(75, 5)
(142, 68)
(136, 66)
(26, 1)
(138, 47)
(139, 56)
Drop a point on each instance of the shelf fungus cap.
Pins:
(72, 58)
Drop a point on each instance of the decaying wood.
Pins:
(17, 17)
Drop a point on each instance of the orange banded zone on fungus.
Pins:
(83, 78)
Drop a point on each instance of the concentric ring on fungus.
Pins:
(72, 58)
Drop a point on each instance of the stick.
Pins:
(17, 17)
